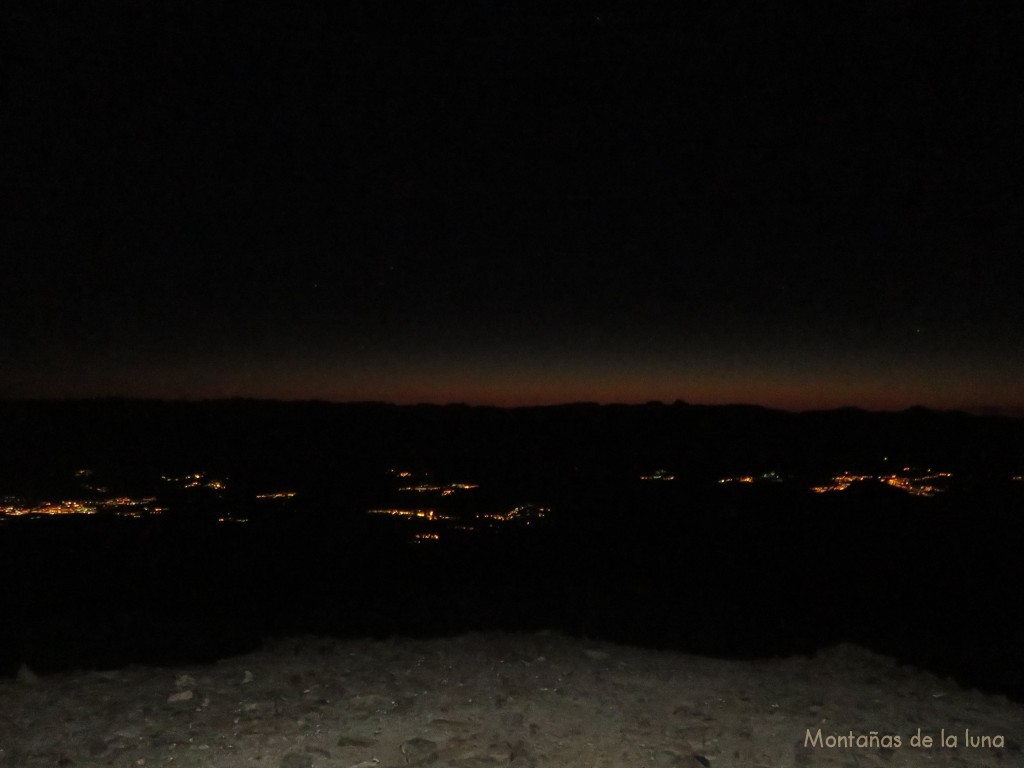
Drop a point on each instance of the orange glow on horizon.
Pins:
(495, 382)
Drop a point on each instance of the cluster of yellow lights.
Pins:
(905, 485)
(127, 501)
(137, 514)
(1018, 478)
(841, 483)
(445, 490)
(278, 495)
(52, 508)
(916, 486)
(183, 479)
(232, 519)
(420, 537)
(661, 474)
(420, 514)
(121, 505)
(195, 480)
(519, 513)
(771, 477)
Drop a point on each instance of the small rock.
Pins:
(296, 760)
(355, 741)
(182, 682)
(521, 753)
(179, 696)
(418, 751)
(247, 677)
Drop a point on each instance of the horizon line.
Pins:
(978, 411)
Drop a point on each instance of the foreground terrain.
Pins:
(499, 699)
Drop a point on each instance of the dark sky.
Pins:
(799, 205)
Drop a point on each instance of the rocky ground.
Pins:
(481, 700)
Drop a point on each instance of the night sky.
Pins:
(798, 205)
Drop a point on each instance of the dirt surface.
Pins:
(502, 700)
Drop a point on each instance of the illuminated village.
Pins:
(913, 481)
(179, 490)
(427, 521)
